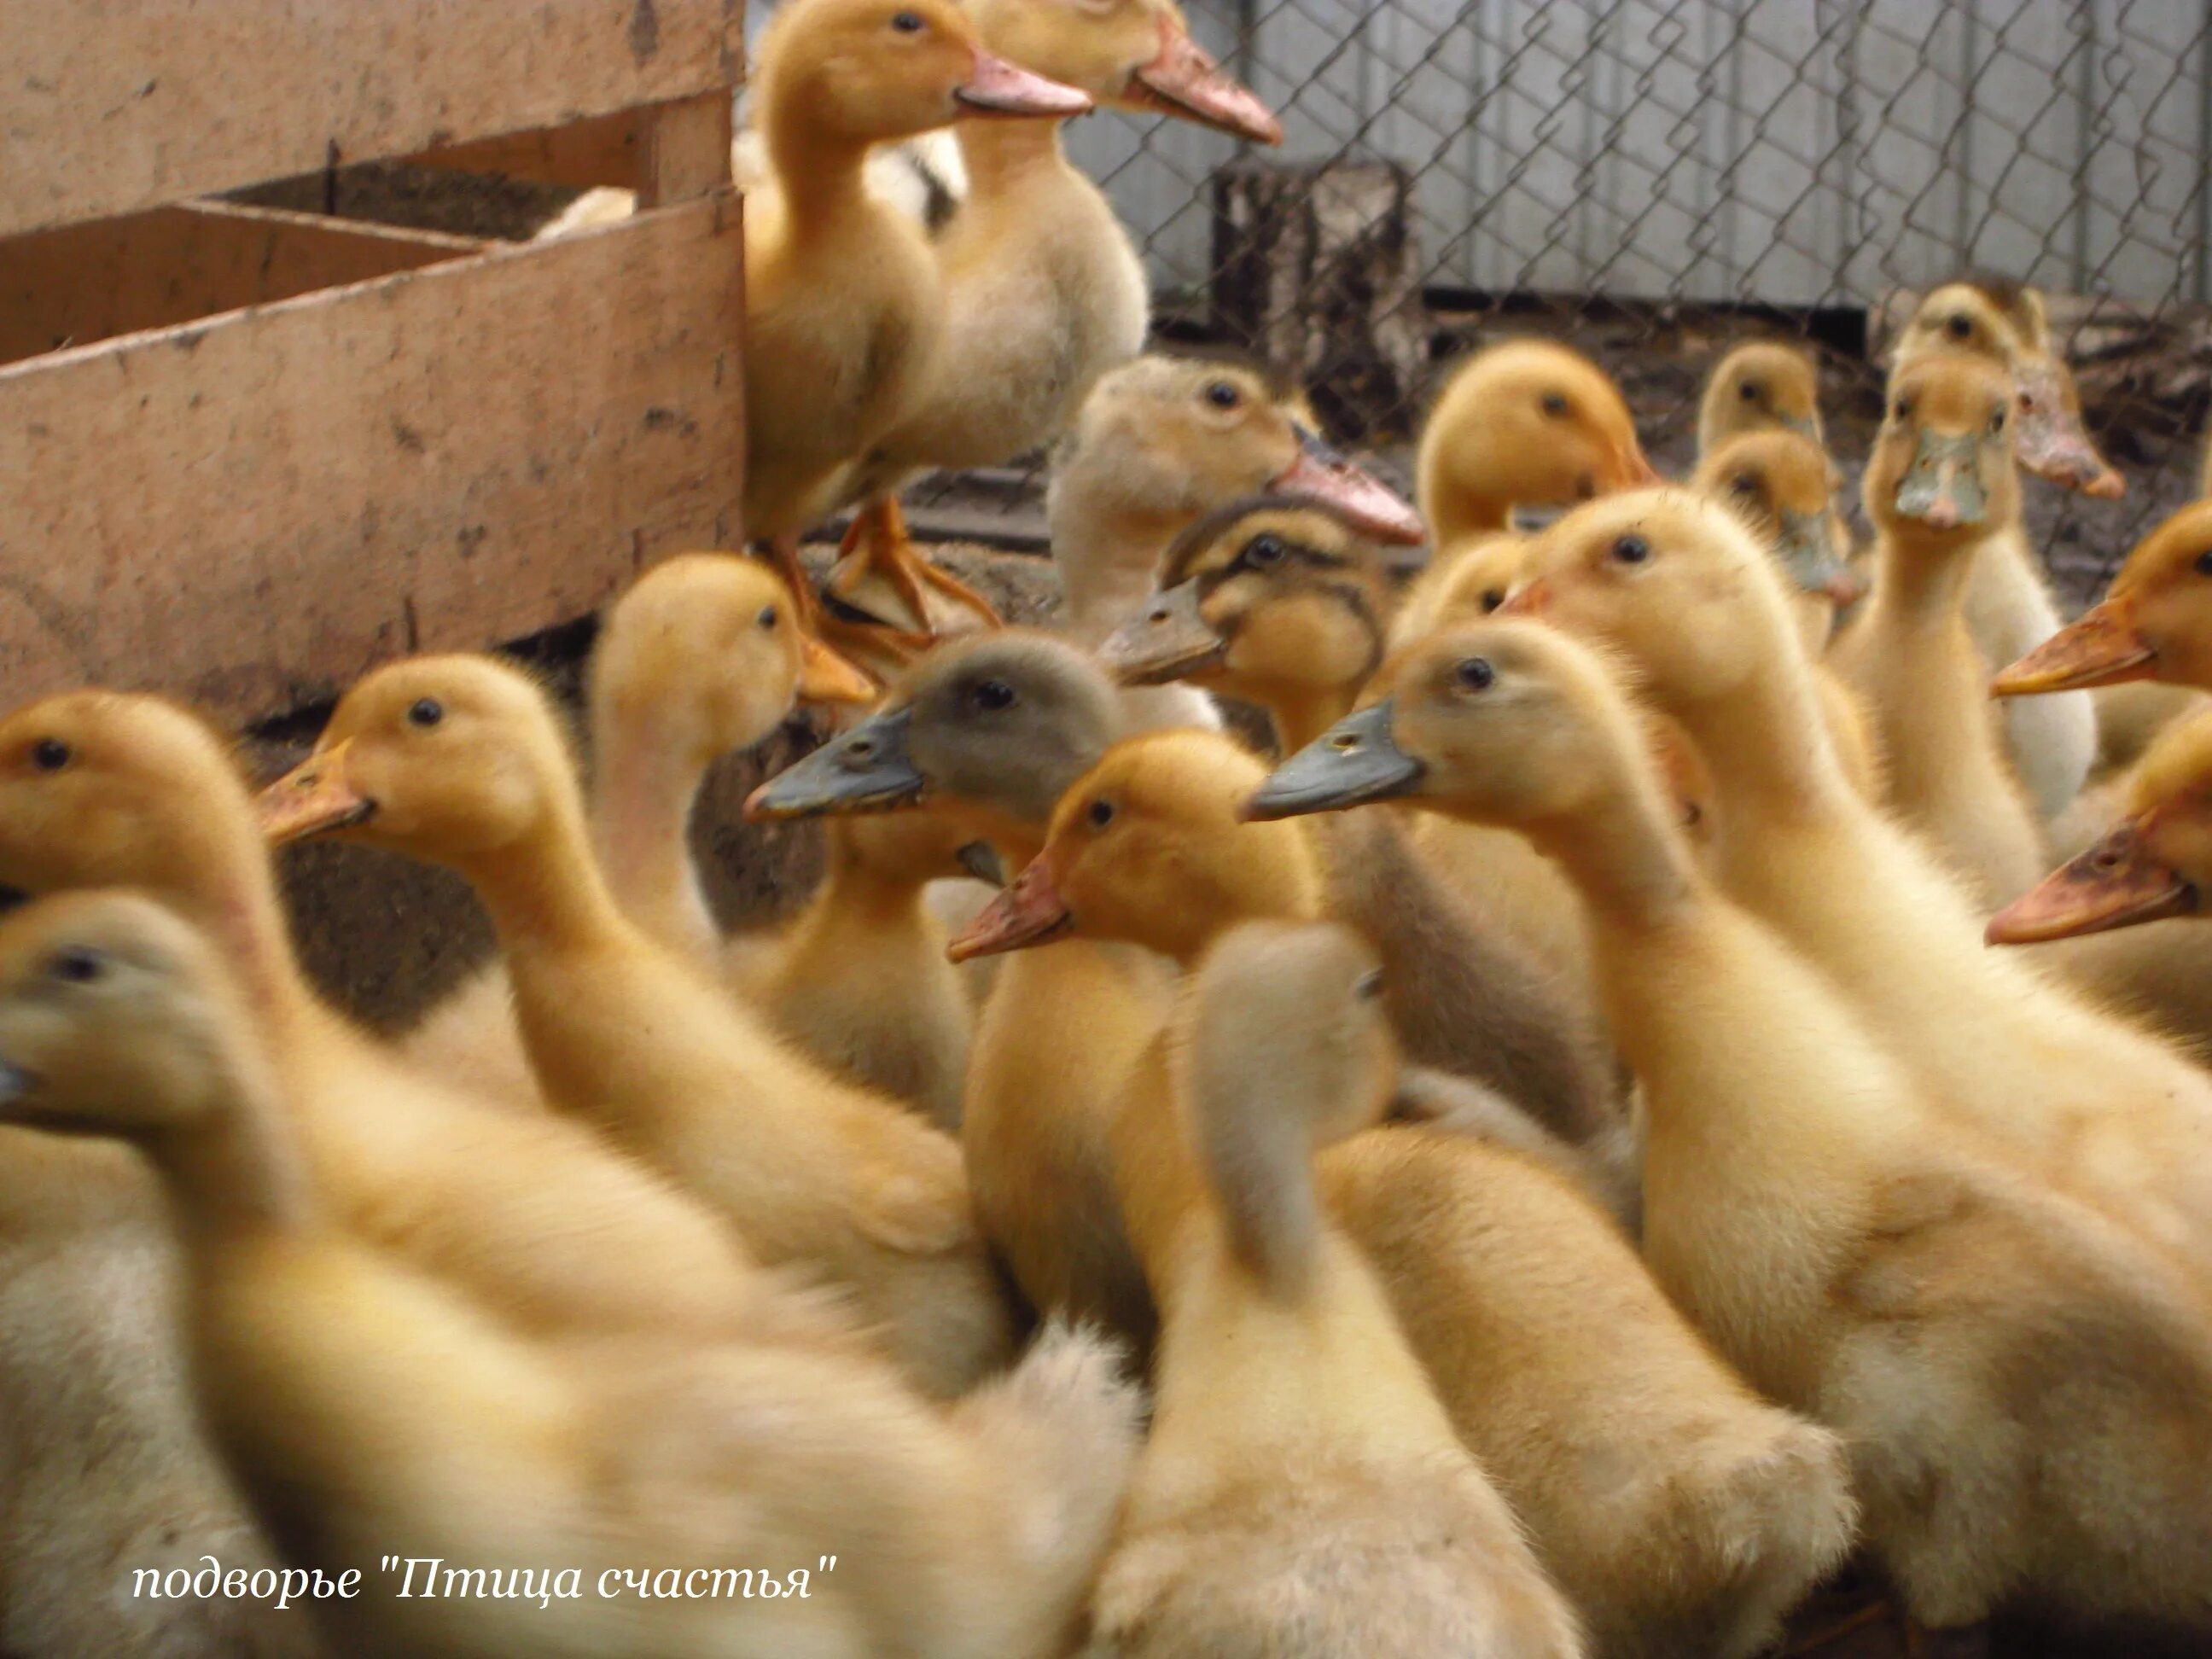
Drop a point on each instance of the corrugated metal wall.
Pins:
(1796, 152)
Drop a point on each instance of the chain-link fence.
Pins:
(1654, 181)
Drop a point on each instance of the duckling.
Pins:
(1939, 486)
(703, 655)
(1527, 424)
(1284, 604)
(459, 760)
(1302, 1490)
(369, 1408)
(537, 1220)
(1157, 444)
(1468, 579)
(859, 979)
(844, 301)
(2151, 865)
(1526, 1307)
(2155, 622)
(1044, 291)
(1807, 1202)
(2009, 602)
(1781, 485)
(1761, 386)
(2089, 1101)
(105, 1469)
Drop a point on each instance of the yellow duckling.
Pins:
(1805, 1202)
(537, 1220)
(1159, 443)
(1676, 585)
(1044, 291)
(2008, 604)
(1522, 1302)
(1940, 488)
(368, 1408)
(2155, 622)
(704, 654)
(858, 978)
(844, 299)
(1527, 424)
(1782, 486)
(1285, 605)
(1302, 1490)
(459, 760)
(1762, 386)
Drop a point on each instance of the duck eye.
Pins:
(1750, 392)
(907, 23)
(1369, 985)
(1632, 550)
(1744, 485)
(50, 754)
(75, 965)
(768, 617)
(1099, 814)
(993, 695)
(1263, 550)
(1902, 410)
(1996, 422)
(1492, 598)
(1555, 406)
(2204, 562)
(1959, 327)
(1222, 395)
(1475, 673)
(426, 711)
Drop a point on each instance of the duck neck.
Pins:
(1475, 508)
(1922, 586)
(1634, 872)
(226, 883)
(644, 788)
(1764, 742)
(544, 890)
(1006, 159)
(1301, 717)
(236, 1176)
(1274, 877)
(1105, 548)
(855, 889)
(820, 173)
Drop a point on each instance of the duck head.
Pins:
(2154, 623)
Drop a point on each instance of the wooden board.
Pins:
(128, 104)
(86, 282)
(253, 510)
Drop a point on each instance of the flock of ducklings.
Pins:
(1565, 1201)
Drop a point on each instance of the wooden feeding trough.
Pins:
(247, 452)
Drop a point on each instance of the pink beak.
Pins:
(995, 87)
(1184, 80)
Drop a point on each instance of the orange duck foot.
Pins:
(876, 544)
(857, 646)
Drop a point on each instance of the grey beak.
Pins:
(1166, 640)
(1354, 761)
(15, 1084)
(865, 770)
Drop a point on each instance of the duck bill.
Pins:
(1031, 912)
(1943, 487)
(1170, 640)
(2052, 442)
(1321, 474)
(2101, 647)
(1532, 599)
(315, 798)
(1809, 556)
(2116, 883)
(995, 87)
(866, 769)
(1185, 82)
(1354, 761)
(1634, 470)
(825, 677)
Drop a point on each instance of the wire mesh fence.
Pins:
(1654, 181)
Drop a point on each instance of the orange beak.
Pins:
(1635, 470)
(314, 798)
(2104, 647)
(825, 677)
(1185, 82)
(995, 87)
(1031, 912)
(2116, 883)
